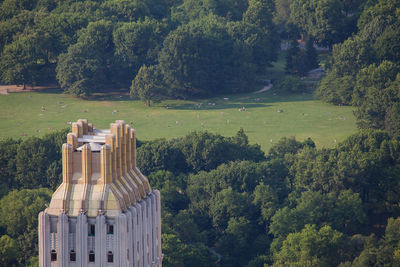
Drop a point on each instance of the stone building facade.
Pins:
(104, 213)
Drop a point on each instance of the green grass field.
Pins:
(268, 116)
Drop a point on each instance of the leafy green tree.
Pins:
(311, 55)
(87, 10)
(387, 45)
(295, 60)
(267, 200)
(184, 223)
(61, 31)
(19, 209)
(23, 59)
(261, 43)
(201, 58)
(148, 85)
(32, 161)
(323, 20)
(8, 169)
(282, 12)
(290, 84)
(54, 174)
(136, 44)
(9, 251)
(241, 177)
(158, 8)
(18, 215)
(86, 67)
(260, 13)
(160, 155)
(228, 204)
(11, 8)
(311, 247)
(124, 10)
(384, 252)
(230, 9)
(336, 89)
(178, 254)
(174, 199)
(194, 57)
(345, 213)
(205, 151)
(191, 9)
(351, 56)
(287, 146)
(15, 26)
(376, 83)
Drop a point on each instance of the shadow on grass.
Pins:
(217, 106)
(249, 100)
(231, 101)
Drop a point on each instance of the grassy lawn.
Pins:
(268, 116)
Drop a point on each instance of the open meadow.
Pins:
(266, 116)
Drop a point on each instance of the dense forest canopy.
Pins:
(224, 200)
(199, 47)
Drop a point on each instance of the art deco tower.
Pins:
(104, 213)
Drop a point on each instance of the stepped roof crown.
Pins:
(99, 172)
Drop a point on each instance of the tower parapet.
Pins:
(104, 213)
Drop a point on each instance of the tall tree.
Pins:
(9, 251)
(148, 85)
(196, 58)
(324, 20)
(136, 44)
(23, 59)
(18, 215)
(311, 247)
(87, 65)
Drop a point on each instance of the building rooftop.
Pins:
(99, 172)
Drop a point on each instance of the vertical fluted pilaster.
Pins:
(84, 123)
(44, 240)
(120, 240)
(72, 139)
(100, 249)
(67, 151)
(158, 228)
(77, 129)
(110, 140)
(133, 147)
(122, 144)
(128, 139)
(86, 175)
(116, 130)
(82, 244)
(62, 237)
(106, 164)
(86, 163)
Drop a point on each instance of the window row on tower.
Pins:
(72, 256)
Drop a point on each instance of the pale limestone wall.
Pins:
(101, 187)
(136, 240)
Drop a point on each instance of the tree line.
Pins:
(154, 47)
(364, 69)
(293, 206)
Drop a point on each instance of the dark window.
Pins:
(91, 256)
(110, 230)
(53, 255)
(72, 255)
(92, 229)
(110, 257)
